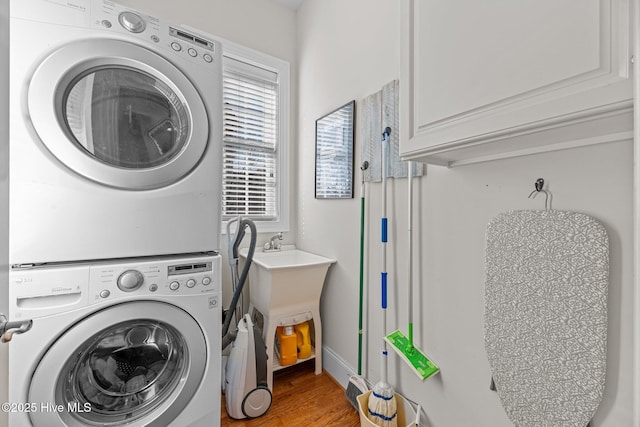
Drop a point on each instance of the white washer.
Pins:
(116, 134)
(135, 343)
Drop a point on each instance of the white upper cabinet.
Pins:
(498, 78)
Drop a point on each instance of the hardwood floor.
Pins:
(302, 398)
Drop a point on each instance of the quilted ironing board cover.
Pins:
(545, 322)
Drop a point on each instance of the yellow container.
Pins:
(303, 340)
(406, 413)
(288, 348)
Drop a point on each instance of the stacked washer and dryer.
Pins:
(115, 189)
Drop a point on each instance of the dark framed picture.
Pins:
(335, 135)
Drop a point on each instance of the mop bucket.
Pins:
(407, 415)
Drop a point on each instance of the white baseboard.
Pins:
(336, 366)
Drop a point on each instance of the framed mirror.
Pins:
(335, 134)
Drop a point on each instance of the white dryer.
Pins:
(116, 134)
(135, 343)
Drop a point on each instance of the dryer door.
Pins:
(137, 363)
(118, 114)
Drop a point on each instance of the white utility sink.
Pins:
(287, 257)
(286, 278)
(285, 287)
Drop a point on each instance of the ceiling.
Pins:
(291, 4)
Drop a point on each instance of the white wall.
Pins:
(338, 61)
(347, 50)
(257, 24)
(4, 194)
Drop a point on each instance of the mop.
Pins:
(382, 405)
(403, 345)
(357, 385)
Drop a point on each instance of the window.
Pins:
(255, 138)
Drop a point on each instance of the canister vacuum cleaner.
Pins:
(245, 386)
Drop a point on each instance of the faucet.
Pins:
(273, 244)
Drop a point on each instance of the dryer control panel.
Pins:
(177, 40)
(170, 276)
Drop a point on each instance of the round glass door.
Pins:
(126, 118)
(126, 369)
(138, 370)
(118, 114)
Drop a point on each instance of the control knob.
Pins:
(132, 22)
(130, 280)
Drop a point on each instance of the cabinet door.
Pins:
(500, 78)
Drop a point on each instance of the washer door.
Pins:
(137, 363)
(118, 114)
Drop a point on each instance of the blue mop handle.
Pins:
(383, 275)
(384, 289)
(384, 230)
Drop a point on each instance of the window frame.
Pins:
(281, 68)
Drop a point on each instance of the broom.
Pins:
(403, 345)
(357, 385)
(382, 406)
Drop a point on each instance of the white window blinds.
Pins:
(250, 95)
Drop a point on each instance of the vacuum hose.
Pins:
(227, 338)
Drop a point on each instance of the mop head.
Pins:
(382, 406)
(419, 363)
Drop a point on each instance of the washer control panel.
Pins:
(171, 276)
(38, 291)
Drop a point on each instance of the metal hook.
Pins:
(386, 133)
(364, 167)
(539, 184)
(538, 189)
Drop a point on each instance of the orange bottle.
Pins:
(288, 350)
(303, 340)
